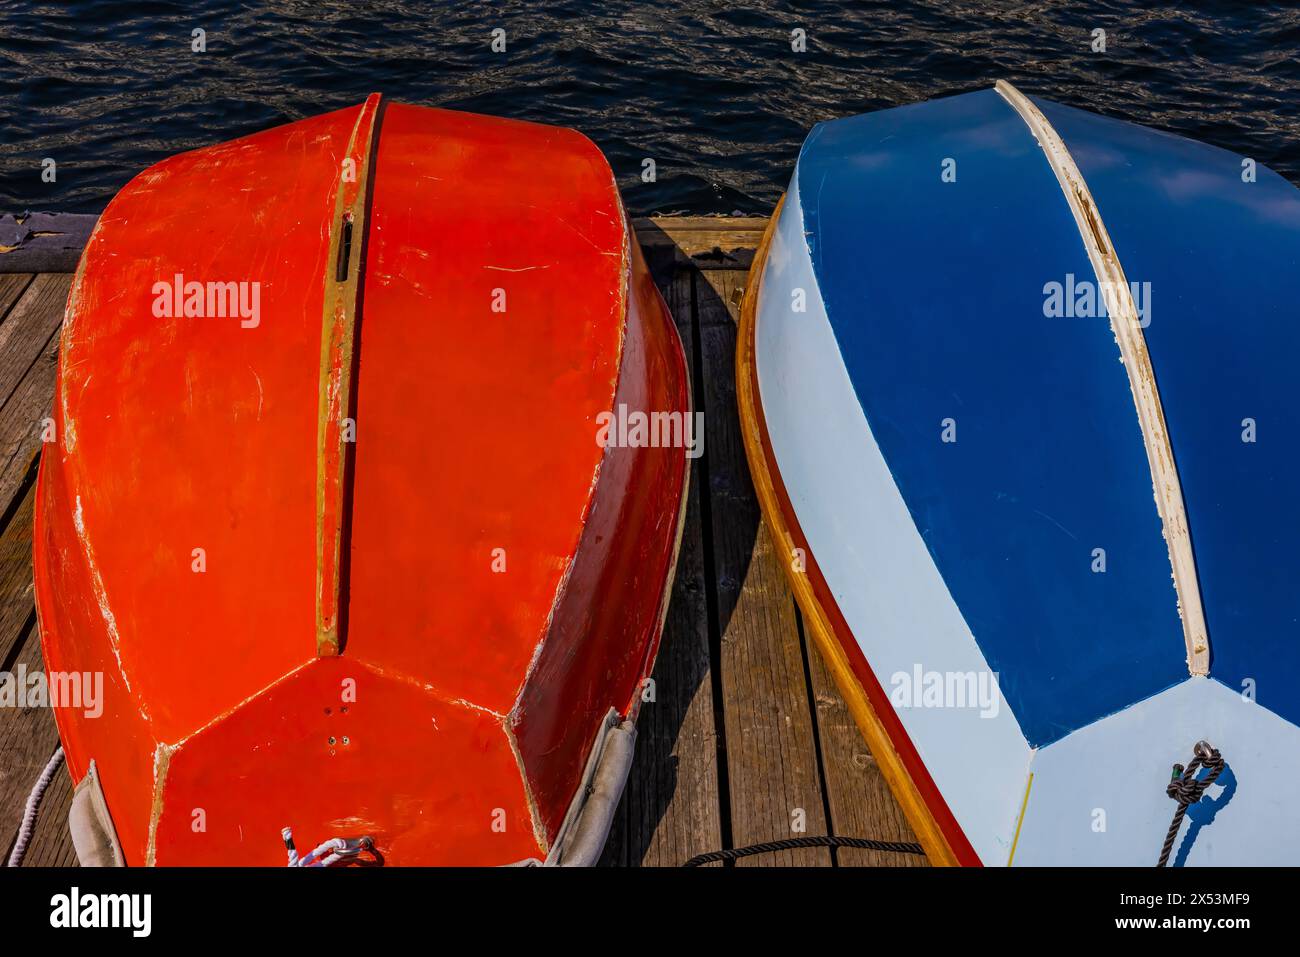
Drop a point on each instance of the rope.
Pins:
(33, 805)
(1187, 790)
(334, 851)
(735, 853)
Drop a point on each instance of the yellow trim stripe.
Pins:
(1021, 820)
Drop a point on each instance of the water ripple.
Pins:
(710, 90)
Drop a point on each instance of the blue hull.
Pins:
(997, 503)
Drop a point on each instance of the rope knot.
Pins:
(334, 851)
(1186, 792)
(1187, 789)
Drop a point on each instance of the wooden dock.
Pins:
(747, 739)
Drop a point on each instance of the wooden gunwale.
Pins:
(936, 828)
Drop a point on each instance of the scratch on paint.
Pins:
(470, 705)
(1057, 524)
(516, 711)
(428, 689)
(534, 814)
(358, 825)
(260, 394)
(568, 225)
(520, 269)
(229, 711)
(68, 334)
(162, 759)
(101, 598)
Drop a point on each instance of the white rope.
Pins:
(33, 805)
(327, 853)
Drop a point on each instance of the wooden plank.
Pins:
(17, 605)
(774, 781)
(28, 327)
(51, 844)
(27, 740)
(11, 287)
(671, 801)
(32, 310)
(43, 242)
(20, 421)
(860, 800)
(708, 242)
(701, 234)
(670, 810)
(28, 346)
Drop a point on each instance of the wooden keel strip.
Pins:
(343, 280)
(1127, 328)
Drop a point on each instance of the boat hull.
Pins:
(357, 561)
(979, 507)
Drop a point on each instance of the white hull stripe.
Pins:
(1127, 329)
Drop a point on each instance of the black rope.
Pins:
(735, 853)
(1187, 790)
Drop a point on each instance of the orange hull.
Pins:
(328, 506)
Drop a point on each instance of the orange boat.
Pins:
(341, 502)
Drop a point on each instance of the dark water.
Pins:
(710, 90)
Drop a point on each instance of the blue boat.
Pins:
(1018, 388)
